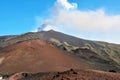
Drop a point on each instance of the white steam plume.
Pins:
(45, 24)
(59, 5)
(69, 17)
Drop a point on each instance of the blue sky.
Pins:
(20, 16)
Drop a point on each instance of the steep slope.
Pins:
(106, 55)
(5, 38)
(35, 56)
(45, 35)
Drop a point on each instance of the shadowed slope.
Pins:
(35, 56)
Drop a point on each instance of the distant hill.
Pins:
(98, 55)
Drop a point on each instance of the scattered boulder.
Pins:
(112, 71)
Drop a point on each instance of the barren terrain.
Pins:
(35, 56)
(68, 75)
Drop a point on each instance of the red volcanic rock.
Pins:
(69, 75)
(35, 56)
(16, 76)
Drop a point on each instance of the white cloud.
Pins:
(69, 16)
(65, 4)
(66, 16)
(88, 20)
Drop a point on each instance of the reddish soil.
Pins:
(35, 56)
(68, 75)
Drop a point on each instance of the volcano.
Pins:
(52, 51)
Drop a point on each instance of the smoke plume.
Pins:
(66, 16)
(58, 6)
(45, 24)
